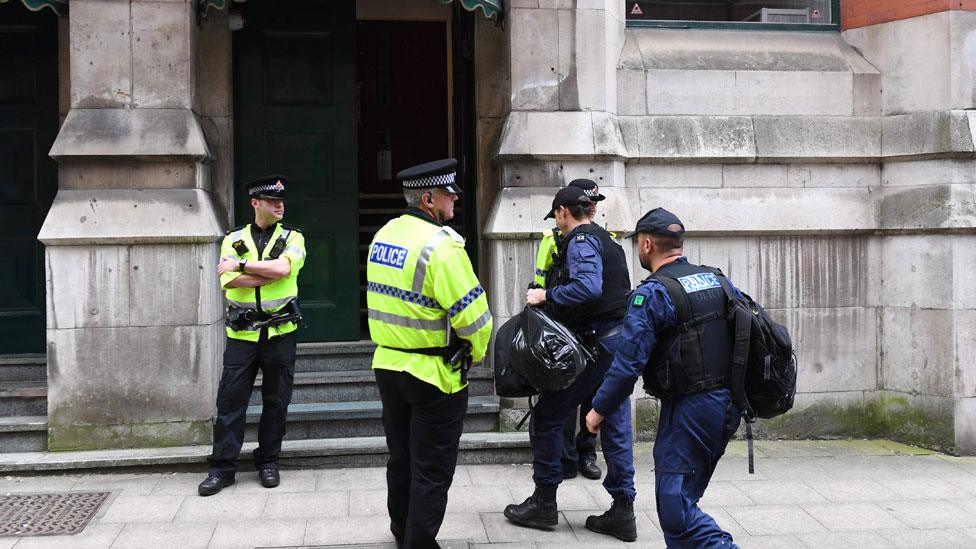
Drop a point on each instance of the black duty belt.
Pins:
(429, 351)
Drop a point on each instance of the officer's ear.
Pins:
(428, 199)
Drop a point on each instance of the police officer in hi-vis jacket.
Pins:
(429, 318)
(259, 265)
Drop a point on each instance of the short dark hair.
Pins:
(582, 209)
(667, 242)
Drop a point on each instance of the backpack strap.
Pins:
(742, 322)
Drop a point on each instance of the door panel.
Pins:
(28, 177)
(295, 114)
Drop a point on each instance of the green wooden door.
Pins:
(28, 177)
(295, 113)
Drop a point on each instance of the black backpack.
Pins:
(763, 362)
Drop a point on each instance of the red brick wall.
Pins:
(861, 13)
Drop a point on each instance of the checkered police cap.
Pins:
(439, 173)
(268, 186)
(589, 187)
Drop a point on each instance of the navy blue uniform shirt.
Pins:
(650, 312)
(584, 257)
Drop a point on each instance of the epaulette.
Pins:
(237, 228)
(458, 239)
(290, 228)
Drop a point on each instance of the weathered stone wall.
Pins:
(134, 311)
(807, 170)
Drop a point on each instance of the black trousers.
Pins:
(275, 357)
(579, 444)
(423, 429)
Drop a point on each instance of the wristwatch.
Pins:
(241, 264)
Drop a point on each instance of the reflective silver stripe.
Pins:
(296, 250)
(275, 303)
(236, 235)
(406, 322)
(420, 271)
(478, 324)
(268, 304)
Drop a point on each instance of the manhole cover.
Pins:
(48, 514)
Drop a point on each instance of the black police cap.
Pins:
(566, 196)
(589, 187)
(268, 186)
(439, 173)
(659, 221)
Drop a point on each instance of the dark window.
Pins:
(748, 11)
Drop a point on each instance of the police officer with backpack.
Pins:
(676, 326)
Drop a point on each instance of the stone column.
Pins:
(134, 309)
(560, 125)
(928, 214)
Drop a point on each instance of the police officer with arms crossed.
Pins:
(579, 447)
(687, 368)
(429, 318)
(258, 269)
(590, 299)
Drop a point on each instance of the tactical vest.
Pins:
(616, 281)
(696, 353)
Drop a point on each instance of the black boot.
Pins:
(589, 468)
(537, 511)
(618, 522)
(214, 483)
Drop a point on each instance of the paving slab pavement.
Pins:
(862, 494)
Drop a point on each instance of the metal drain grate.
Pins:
(48, 514)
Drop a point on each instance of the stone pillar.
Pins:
(134, 309)
(560, 124)
(564, 92)
(928, 213)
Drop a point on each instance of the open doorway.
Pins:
(340, 101)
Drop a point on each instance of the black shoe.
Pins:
(269, 476)
(213, 484)
(536, 511)
(589, 468)
(618, 522)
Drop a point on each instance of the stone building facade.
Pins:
(830, 173)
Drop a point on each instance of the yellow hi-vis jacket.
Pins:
(544, 257)
(271, 297)
(420, 286)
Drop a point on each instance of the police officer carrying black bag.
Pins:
(258, 269)
(677, 326)
(589, 296)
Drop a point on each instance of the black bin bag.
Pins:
(546, 354)
(508, 382)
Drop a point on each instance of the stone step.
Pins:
(361, 419)
(23, 398)
(32, 367)
(475, 448)
(310, 387)
(23, 433)
(338, 356)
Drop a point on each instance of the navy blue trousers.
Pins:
(692, 434)
(554, 409)
(579, 443)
